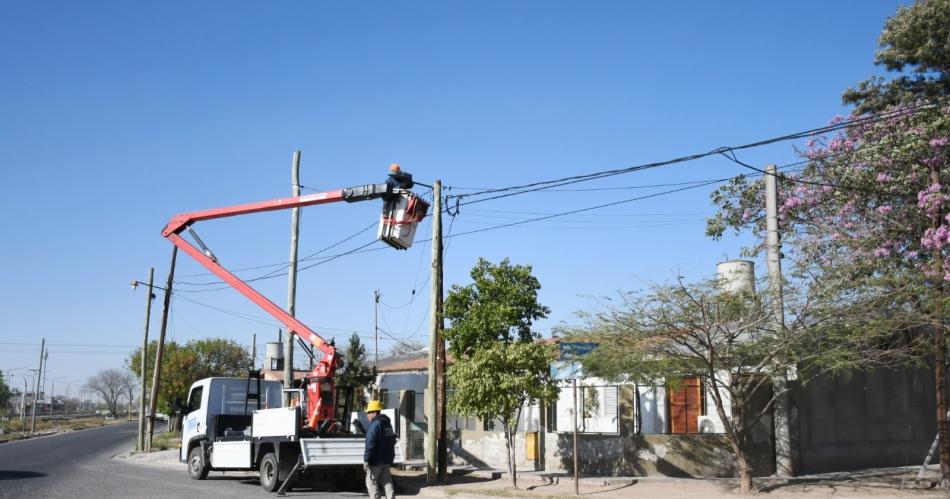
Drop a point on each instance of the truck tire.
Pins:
(197, 467)
(270, 472)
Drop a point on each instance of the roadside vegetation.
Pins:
(13, 429)
(166, 440)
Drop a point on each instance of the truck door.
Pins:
(195, 418)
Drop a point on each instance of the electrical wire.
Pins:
(546, 184)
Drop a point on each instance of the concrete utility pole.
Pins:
(143, 365)
(253, 350)
(292, 278)
(37, 390)
(45, 370)
(433, 463)
(157, 371)
(784, 458)
(23, 403)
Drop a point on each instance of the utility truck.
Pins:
(237, 424)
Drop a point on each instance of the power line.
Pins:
(546, 184)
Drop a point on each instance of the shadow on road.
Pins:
(19, 475)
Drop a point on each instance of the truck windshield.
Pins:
(227, 396)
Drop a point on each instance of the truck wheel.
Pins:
(269, 472)
(197, 468)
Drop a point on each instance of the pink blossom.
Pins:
(938, 142)
(884, 178)
(882, 252)
(884, 209)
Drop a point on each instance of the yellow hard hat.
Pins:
(374, 406)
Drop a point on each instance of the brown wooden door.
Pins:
(685, 405)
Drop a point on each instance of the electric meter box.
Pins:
(401, 215)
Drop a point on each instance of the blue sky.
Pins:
(115, 117)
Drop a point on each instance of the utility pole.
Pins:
(45, 370)
(253, 350)
(784, 457)
(292, 279)
(37, 390)
(143, 365)
(577, 471)
(433, 463)
(157, 371)
(23, 403)
(376, 329)
(940, 349)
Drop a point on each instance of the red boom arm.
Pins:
(318, 409)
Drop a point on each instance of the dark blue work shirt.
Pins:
(380, 442)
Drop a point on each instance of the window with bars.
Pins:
(597, 410)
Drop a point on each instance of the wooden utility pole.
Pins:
(940, 348)
(143, 365)
(253, 350)
(157, 370)
(784, 461)
(36, 390)
(292, 279)
(577, 469)
(376, 330)
(433, 416)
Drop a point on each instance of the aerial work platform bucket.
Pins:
(401, 215)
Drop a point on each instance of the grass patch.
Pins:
(502, 493)
(166, 440)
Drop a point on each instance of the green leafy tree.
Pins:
(182, 365)
(500, 305)
(497, 381)
(915, 44)
(357, 375)
(5, 393)
(499, 367)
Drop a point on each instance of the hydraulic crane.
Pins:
(402, 211)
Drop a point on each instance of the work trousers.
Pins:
(379, 476)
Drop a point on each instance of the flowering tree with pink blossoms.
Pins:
(866, 226)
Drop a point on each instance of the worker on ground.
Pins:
(380, 452)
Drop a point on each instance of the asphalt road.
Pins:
(81, 464)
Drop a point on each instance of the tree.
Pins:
(500, 305)
(357, 374)
(111, 385)
(867, 222)
(916, 44)
(497, 381)
(182, 365)
(5, 393)
(727, 339)
(499, 367)
(868, 215)
(406, 347)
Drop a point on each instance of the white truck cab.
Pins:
(214, 402)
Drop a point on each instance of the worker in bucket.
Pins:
(380, 451)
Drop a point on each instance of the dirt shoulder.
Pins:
(12, 430)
